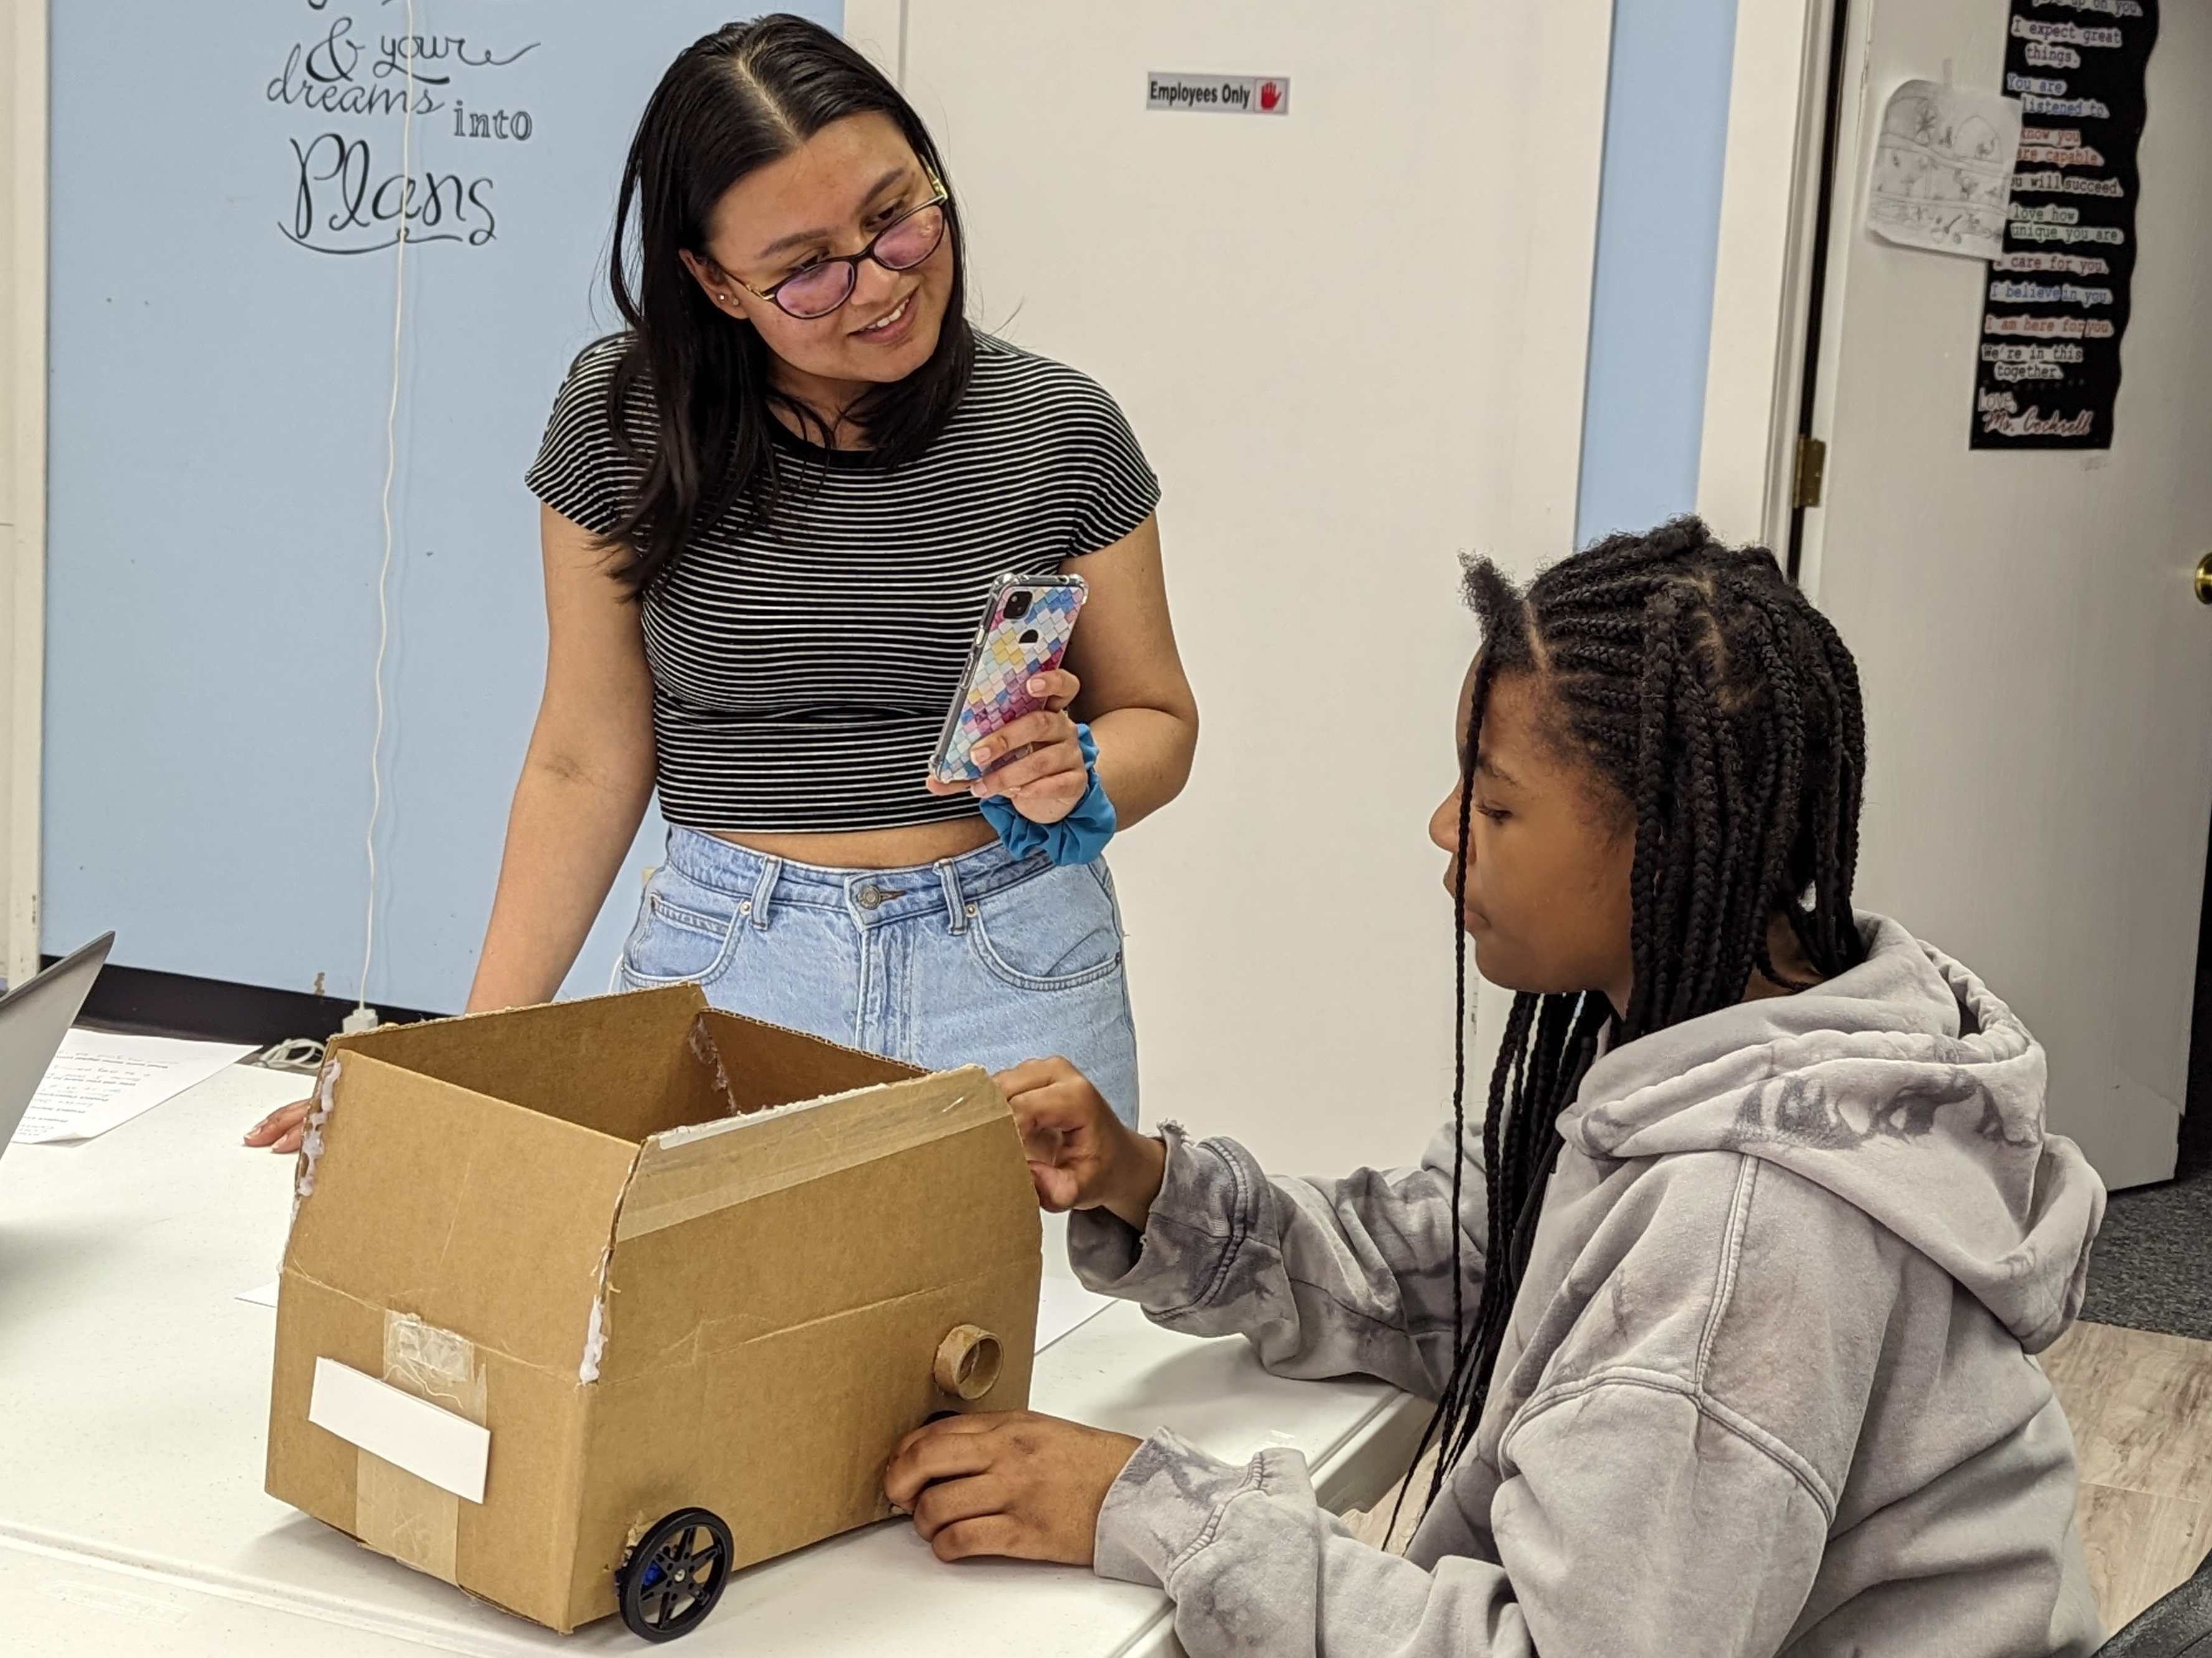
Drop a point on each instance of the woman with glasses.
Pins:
(773, 507)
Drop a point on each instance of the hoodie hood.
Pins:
(1904, 1087)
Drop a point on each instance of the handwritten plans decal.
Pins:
(344, 76)
(2056, 307)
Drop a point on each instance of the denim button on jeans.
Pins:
(985, 959)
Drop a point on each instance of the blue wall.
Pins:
(217, 443)
(1659, 205)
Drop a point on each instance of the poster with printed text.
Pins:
(2057, 305)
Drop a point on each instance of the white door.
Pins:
(2038, 673)
(1350, 338)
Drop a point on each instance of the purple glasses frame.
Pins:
(852, 262)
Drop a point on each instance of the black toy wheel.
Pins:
(675, 1575)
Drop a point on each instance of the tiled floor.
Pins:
(2141, 1406)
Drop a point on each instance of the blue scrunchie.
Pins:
(1075, 839)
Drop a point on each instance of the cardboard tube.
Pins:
(968, 1362)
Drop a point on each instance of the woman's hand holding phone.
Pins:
(1081, 1156)
(1047, 783)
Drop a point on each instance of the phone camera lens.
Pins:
(1017, 606)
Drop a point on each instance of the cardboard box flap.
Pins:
(757, 1066)
(472, 1214)
(790, 1278)
(807, 1237)
(688, 1172)
(623, 1065)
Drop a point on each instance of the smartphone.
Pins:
(1024, 632)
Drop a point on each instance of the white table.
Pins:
(134, 1397)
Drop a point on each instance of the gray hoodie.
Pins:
(1766, 1387)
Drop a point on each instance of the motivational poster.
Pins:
(2056, 310)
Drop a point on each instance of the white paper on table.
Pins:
(1942, 169)
(1062, 1304)
(100, 1078)
(261, 1295)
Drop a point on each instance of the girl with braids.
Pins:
(1726, 1306)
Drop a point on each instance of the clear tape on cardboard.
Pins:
(402, 1514)
(434, 1364)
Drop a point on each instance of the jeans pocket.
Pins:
(1054, 932)
(685, 932)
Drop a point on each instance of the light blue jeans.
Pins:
(985, 959)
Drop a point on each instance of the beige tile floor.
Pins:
(2141, 1406)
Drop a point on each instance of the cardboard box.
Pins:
(602, 1260)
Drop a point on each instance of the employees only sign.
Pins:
(1219, 94)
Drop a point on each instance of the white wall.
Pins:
(22, 467)
(1352, 341)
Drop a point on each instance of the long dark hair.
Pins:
(1715, 702)
(731, 102)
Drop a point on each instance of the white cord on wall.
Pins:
(363, 1017)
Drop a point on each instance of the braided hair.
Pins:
(1705, 693)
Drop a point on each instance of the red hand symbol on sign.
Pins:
(1270, 94)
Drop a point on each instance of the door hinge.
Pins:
(1812, 468)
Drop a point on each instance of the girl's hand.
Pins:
(282, 1128)
(1010, 1482)
(1045, 784)
(1080, 1155)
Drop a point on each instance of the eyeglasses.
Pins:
(820, 289)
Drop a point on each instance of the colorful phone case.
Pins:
(1009, 652)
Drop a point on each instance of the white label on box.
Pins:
(1219, 94)
(449, 1451)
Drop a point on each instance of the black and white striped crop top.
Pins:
(802, 668)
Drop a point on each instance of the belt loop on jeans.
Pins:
(763, 890)
(955, 906)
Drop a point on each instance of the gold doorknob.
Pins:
(2204, 579)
